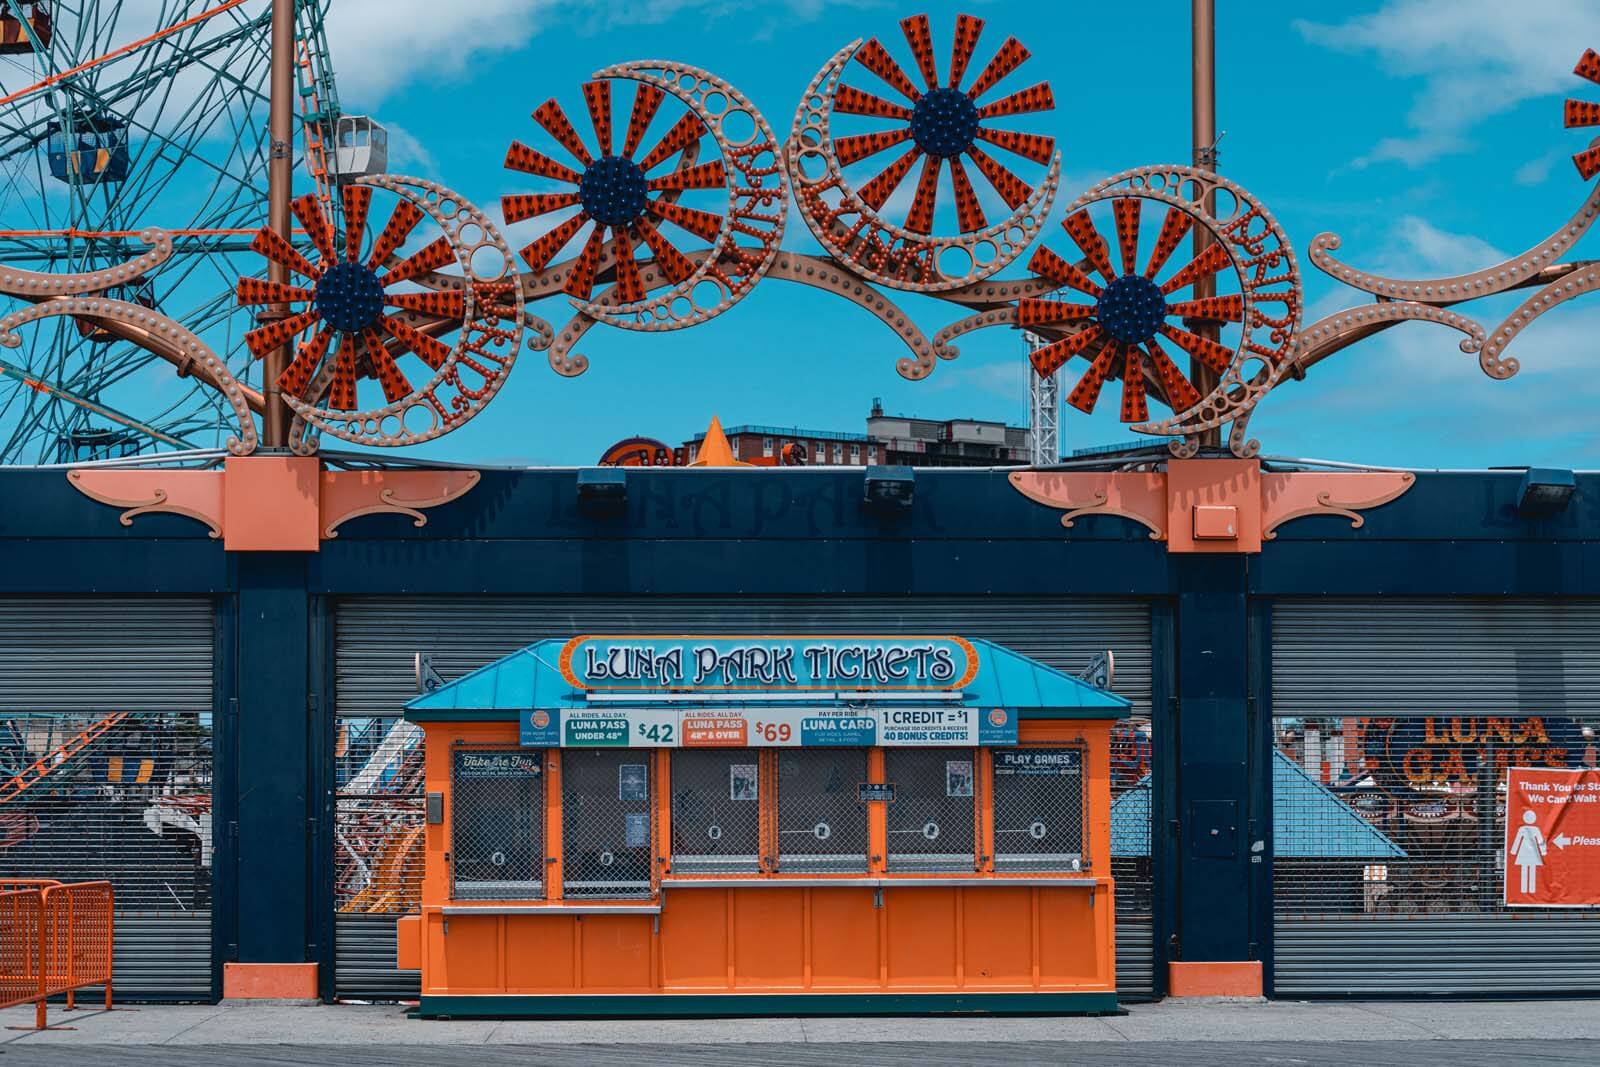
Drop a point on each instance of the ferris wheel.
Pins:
(116, 115)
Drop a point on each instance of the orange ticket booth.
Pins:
(683, 825)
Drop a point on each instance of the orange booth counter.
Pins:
(765, 825)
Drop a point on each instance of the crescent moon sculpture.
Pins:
(354, 337)
(943, 125)
(616, 193)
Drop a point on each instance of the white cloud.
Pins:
(1535, 171)
(1476, 58)
(405, 151)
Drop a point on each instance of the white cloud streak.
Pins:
(1475, 58)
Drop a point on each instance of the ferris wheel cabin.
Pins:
(91, 148)
(361, 147)
(30, 33)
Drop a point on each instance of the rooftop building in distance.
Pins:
(890, 439)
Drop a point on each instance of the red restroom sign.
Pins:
(1552, 838)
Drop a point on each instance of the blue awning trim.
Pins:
(531, 678)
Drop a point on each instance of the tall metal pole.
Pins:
(1204, 72)
(280, 179)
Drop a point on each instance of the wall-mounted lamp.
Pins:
(1545, 492)
(602, 490)
(889, 488)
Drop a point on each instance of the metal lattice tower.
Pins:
(1044, 408)
(155, 119)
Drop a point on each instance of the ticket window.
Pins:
(497, 824)
(933, 818)
(605, 817)
(821, 822)
(1038, 809)
(716, 811)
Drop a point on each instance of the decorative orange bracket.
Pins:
(1212, 505)
(272, 503)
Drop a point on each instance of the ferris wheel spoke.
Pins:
(580, 283)
(539, 254)
(308, 357)
(275, 335)
(597, 97)
(1213, 355)
(309, 212)
(390, 377)
(877, 191)
(968, 29)
(702, 224)
(434, 304)
(1048, 264)
(1180, 395)
(518, 207)
(711, 175)
(1052, 357)
(1086, 393)
(1174, 228)
(1126, 210)
(1012, 189)
(269, 244)
(357, 202)
(877, 59)
(520, 157)
(342, 390)
(1030, 146)
(404, 219)
(1211, 308)
(1033, 311)
(253, 291)
(686, 131)
(430, 350)
(1080, 227)
(859, 146)
(1011, 56)
(969, 213)
(1135, 408)
(848, 100)
(920, 38)
(646, 102)
(430, 258)
(557, 125)
(1023, 102)
(1213, 259)
(630, 286)
(920, 218)
(673, 263)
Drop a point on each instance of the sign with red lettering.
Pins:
(1552, 838)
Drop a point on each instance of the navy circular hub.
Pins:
(943, 122)
(613, 191)
(349, 297)
(1131, 309)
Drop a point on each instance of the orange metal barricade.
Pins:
(54, 938)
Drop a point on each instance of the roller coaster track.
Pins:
(53, 762)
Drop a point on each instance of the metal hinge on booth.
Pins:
(877, 897)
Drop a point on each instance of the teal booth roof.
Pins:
(1309, 821)
(531, 678)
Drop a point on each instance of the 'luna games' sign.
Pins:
(754, 664)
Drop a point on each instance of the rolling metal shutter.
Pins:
(379, 793)
(1393, 720)
(105, 745)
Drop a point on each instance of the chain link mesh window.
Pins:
(123, 796)
(933, 818)
(497, 824)
(716, 811)
(1404, 816)
(1038, 809)
(605, 815)
(378, 819)
(822, 826)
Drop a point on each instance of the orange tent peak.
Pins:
(715, 450)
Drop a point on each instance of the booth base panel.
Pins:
(741, 1005)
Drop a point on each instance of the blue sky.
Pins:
(1427, 133)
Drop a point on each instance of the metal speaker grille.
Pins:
(1405, 816)
(497, 824)
(1038, 809)
(933, 818)
(716, 811)
(378, 825)
(605, 816)
(822, 826)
